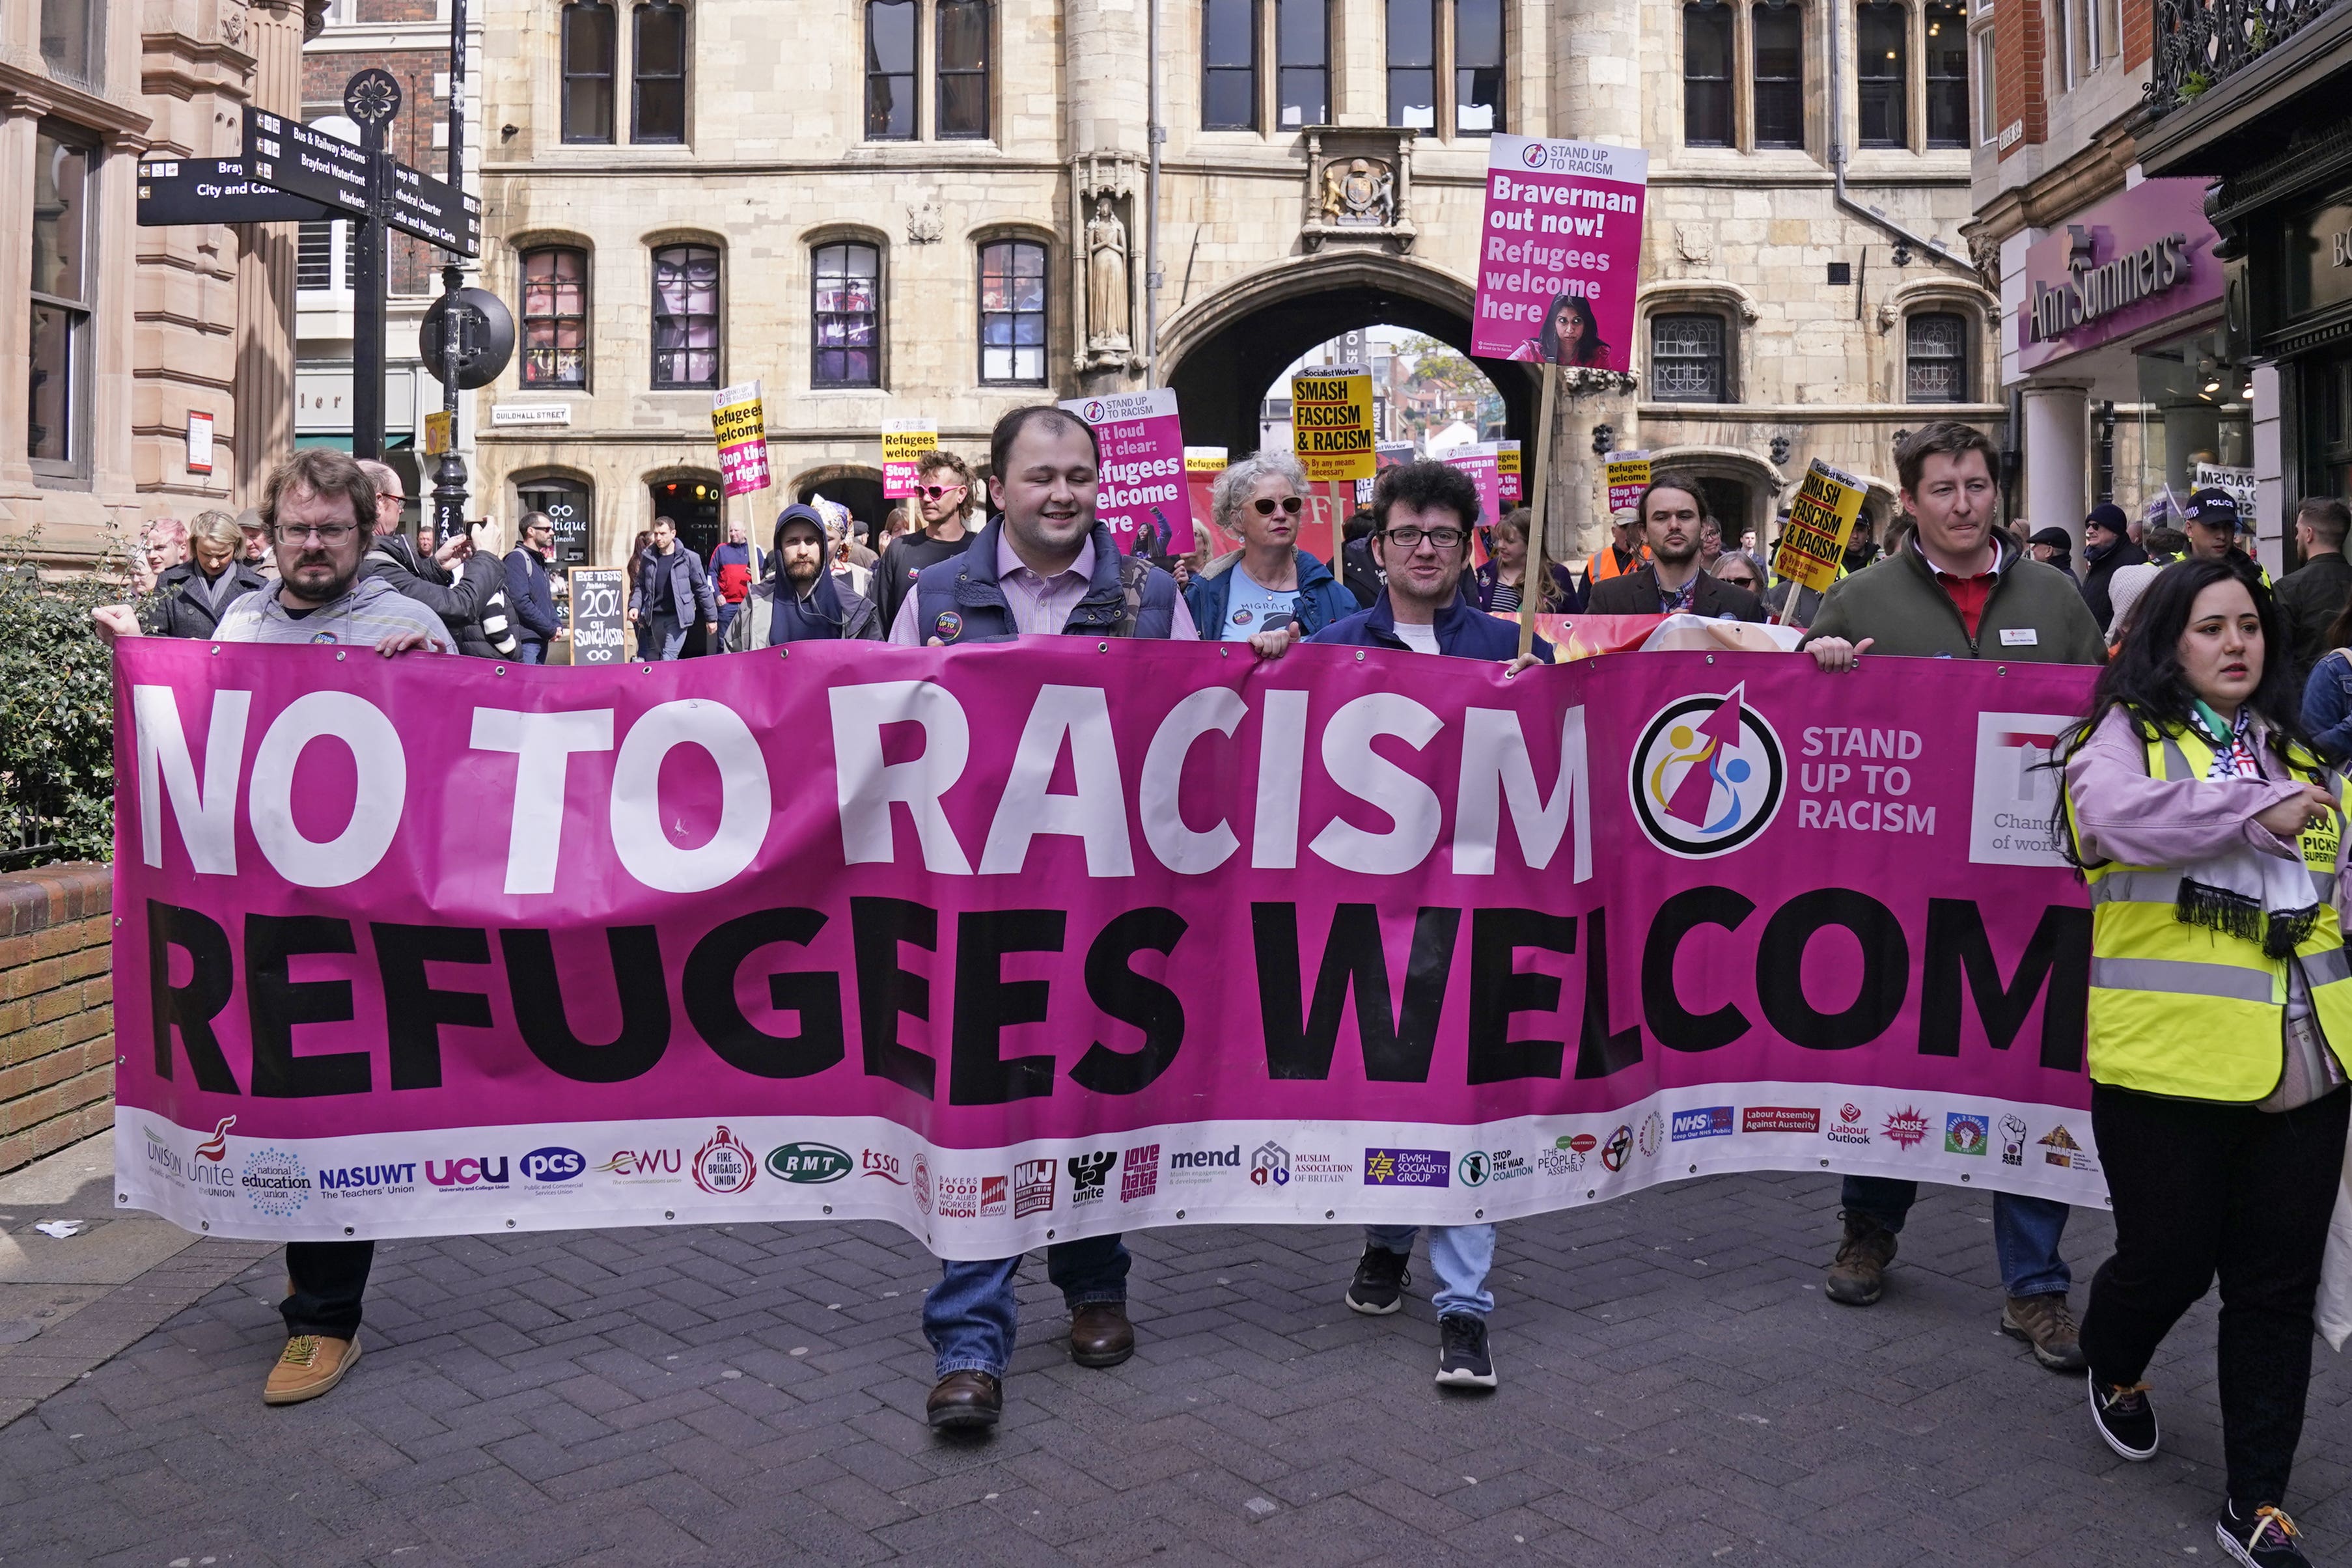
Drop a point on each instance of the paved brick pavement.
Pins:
(1677, 1391)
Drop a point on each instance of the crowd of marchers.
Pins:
(2198, 803)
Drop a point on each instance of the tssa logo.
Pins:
(552, 1164)
(466, 1173)
(1708, 774)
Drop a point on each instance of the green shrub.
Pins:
(57, 713)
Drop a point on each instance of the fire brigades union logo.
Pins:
(1708, 774)
(725, 1164)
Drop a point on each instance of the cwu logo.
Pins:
(1708, 775)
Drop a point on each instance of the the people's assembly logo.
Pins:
(1708, 775)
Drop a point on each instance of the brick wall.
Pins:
(2020, 48)
(57, 1010)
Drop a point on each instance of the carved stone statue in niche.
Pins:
(1364, 193)
(1106, 290)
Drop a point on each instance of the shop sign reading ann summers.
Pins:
(2141, 257)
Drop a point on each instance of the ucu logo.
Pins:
(466, 1173)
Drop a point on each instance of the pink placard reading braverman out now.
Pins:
(1142, 496)
(1559, 252)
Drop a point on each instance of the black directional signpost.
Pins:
(216, 191)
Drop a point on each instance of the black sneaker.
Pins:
(1378, 1287)
(2266, 1539)
(1462, 1358)
(2124, 1417)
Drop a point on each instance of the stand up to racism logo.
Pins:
(1708, 775)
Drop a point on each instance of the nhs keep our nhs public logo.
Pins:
(1708, 775)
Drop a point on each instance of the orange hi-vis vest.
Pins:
(1604, 565)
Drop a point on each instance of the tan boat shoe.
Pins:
(311, 1365)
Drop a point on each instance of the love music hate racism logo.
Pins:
(1708, 775)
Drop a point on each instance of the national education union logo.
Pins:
(1708, 774)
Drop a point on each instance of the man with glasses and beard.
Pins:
(1422, 517)
(319, 509)
(943, 497)
(799, 601)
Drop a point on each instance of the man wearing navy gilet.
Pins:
(1047, 567)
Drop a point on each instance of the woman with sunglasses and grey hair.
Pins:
(1269, 583)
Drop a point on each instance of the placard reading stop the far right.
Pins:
(599, 615)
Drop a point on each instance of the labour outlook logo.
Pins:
(1708, 775)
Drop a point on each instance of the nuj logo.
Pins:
(467, 1172)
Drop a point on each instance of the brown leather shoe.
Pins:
(965, 1402)
(1100, 1335)
(310, 1366)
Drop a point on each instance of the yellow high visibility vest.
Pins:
(2194, 1013)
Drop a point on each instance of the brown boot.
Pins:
(2047, 1323)
(1858, 1273)
(1100, 1335)
(965, 1402)
(310, 1366)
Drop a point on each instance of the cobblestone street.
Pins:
(1675, 1390)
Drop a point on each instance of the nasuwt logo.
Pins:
(1708, 775)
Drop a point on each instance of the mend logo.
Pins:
(1706, 1122)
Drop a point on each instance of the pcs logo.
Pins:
(548, 1166)
(1708, 775)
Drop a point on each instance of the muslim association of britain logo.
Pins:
(1708, 775)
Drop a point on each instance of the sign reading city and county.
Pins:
(417, 203)
(1065, 936)
(296, 158)
(1559, 252)
(2141, 257)
(174, 191)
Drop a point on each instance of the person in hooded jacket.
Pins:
(1235, 597)
(471, 602)
(799, 601)
(190, 597)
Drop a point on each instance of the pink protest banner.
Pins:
(1058, 937)
(1509, 490)
(1559, 252)
(903, 440)
(739, 424)
(1143, 485)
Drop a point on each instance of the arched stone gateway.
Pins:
(1222, 350)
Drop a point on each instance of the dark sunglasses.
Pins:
(933, 492)
(1738, 580)
(1289, 504)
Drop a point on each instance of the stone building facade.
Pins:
(944, 208)
(121, 338)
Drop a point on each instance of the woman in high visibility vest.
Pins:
(2221, 1023)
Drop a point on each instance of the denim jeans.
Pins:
(2025, 1231)
(1459, 1255)
(669, 636)
(971, 1316)
(727, 613)
(329, 1278)
(531, 653)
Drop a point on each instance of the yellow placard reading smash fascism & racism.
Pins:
(1331, 422)
(1820, 518)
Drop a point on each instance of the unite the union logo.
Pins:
(1708, 775)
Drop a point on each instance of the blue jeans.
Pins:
(727, 613)
(531, 653)
(2025, 1231)
(1459, 1255)
(971, 1316)
(669, 636)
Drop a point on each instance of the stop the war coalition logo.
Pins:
(1708, 775)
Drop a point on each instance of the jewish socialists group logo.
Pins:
(1708, 775)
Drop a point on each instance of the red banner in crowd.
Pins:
(1034, 941)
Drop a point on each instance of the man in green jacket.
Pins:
(1955, 589)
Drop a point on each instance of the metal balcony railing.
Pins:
(2200, 43)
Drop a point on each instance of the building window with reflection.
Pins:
(555, 316)
(567, 505)
(962, 31)
(588, 49)
(891, 70)
(1946, 47)
(73, 40)
(1706, 75)
(1302, 53)
(1013, 313)
(63, 297)
(1687, 359)
(686, 316)
(1776, 29)
(659, 69)
(846, 317)
(1477, 67)
(1882, 36)
(1936, 358)
(1412, 63)
(1229, 65)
